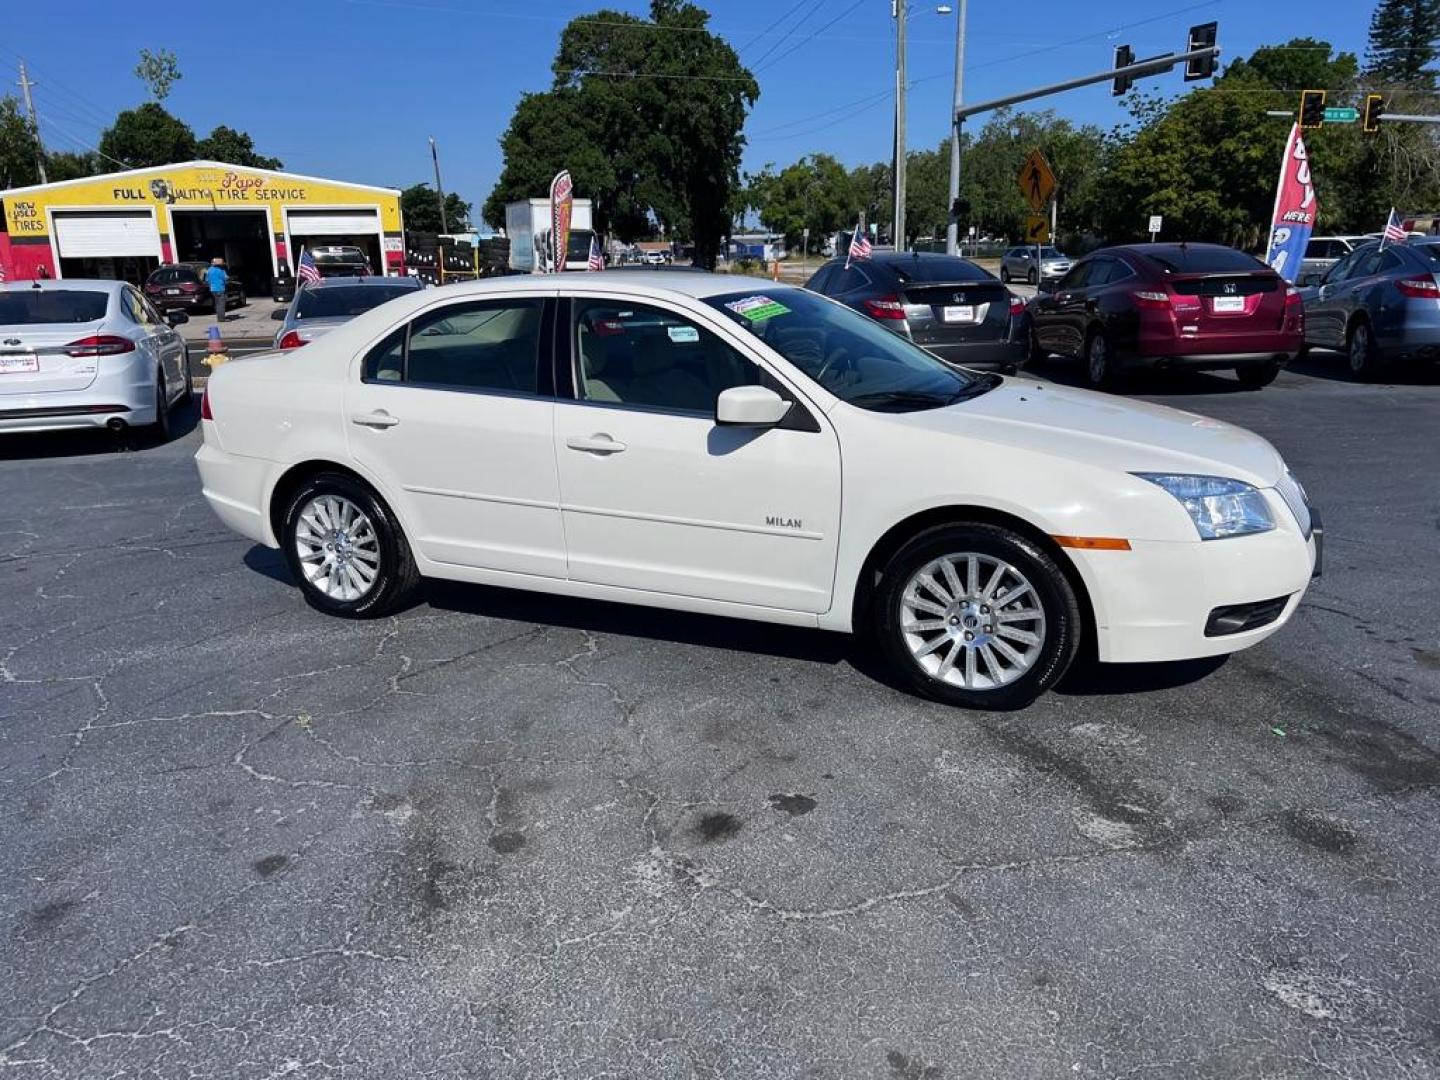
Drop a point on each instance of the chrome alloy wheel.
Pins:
(973, 621)
(338, 548)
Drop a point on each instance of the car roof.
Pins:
(107, 285)
(699, 286)
(365, 279)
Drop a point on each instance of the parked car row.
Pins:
(183, 286)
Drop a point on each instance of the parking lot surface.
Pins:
(502, 835)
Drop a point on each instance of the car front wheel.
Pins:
(977, 616)
(1004, 275)
(346, 549)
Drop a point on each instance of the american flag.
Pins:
(596, 260)
(1394, 230)
(309, 273)
(859, 246)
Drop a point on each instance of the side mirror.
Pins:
(175, 318)
(750, 406)
(278, 315)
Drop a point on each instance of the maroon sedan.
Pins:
(1198, 306)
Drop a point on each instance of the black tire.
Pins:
(160, 429)
(1034, 354)
(1004, 275)
(397, 578)
(1361, 352)
(1254, 376)
(1051, 588)
(1032, 278)
(189, 394)
(1099, 361)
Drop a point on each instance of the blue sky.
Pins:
(350, 89)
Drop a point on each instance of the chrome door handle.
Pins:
(377, 419)
(594, 444)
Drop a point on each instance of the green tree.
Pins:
(66, 165)
(159, 71)
(814, 193)
(18, 148)
(648, 123)
(233, 148)
(147, 135)
(421, 210)
(1404, 42)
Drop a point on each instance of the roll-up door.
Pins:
(83, 234)
(333, 222)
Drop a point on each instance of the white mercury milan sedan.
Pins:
(736, 447)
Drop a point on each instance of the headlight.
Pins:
(1293, 493)
(1219, 507)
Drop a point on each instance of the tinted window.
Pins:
(486, 345)
(1347, 266)
(630, 354)
(853, 357)
(386, 361)
(1428, 252)
(1206, 260)
(1378, 262)
(821, 281)
(32, 307)
(849, 280)
(1324, 249)
(345, 300)
(920, 270)
(1077, 277)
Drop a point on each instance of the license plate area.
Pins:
(172, 292)
(18, 363)
(957, 313)
(1227, 305)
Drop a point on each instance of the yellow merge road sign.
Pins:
(1036, 180)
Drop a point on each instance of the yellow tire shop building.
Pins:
(123, 225)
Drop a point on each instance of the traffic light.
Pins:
(1374, 111)
(1312, 109)
(1201, 37)
(1124, 57)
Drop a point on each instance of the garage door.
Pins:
(333, 222)
(105, 233)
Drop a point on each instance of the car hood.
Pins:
(1106, 431)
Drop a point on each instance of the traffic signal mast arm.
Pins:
(1132, 71)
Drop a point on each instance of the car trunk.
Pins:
(957, 313)
(1228, 303)
(33, 359)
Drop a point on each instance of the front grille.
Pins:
(1237, 618)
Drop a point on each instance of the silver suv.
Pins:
(1018, 264)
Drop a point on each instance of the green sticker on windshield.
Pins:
(758, 308)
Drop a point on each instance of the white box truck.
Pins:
(527, 223)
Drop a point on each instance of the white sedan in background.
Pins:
(743, 448)
(88, 354)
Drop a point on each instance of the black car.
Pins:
(182, 285)
(943, 303)
(341, 260)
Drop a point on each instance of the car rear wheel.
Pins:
(1034, 354)
(977, 616)
(1004, 275)
(1254, 376)
(161, 427)
(1031, 277)
(346, 549)
(1099, 361)
(189, 393)
(1362, 353)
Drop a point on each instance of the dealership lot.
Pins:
(511, 835)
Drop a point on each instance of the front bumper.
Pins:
(1155, 601)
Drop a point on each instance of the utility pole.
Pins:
(439, 190)
(952, 231)
(25, 85)
(898, 7)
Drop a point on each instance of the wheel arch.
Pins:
(903, 531)
(290, 480)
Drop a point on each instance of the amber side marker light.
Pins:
(1093, 543)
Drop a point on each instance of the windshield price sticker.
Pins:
(758, 308)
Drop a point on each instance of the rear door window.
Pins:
(821, 281)
(1078, 276)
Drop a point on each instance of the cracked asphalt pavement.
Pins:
(502, 835)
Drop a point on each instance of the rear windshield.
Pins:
(1205, 261)
(1429, 252)
(940, 269)
(345, 255)
(345, 300)
(33, 307)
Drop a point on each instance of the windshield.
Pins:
(35, 307)
(343, 301)
(853, 357)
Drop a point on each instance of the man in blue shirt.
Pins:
(216, 278)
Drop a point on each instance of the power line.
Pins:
(810, 37)
(50, 122)
(788, 12)
(799, 22)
